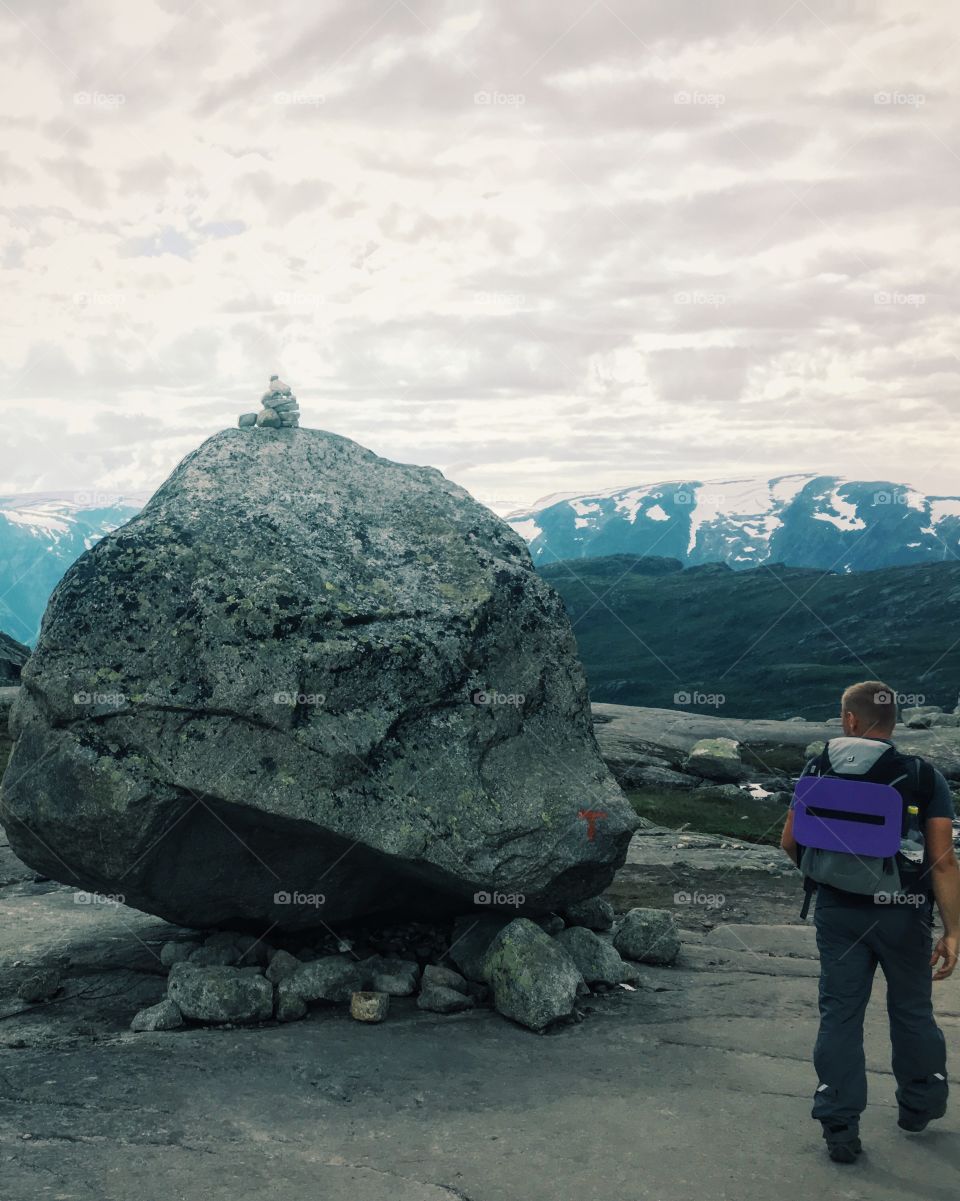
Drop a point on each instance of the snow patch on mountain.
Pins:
(785, 487)
(842, 513)
(629, 503)
(747, 502)
(914, 499)
(40, 520)
(528, 530)
(943, 506)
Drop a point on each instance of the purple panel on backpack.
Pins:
(830, 830)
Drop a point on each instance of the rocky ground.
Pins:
(632, 738)
(697, 1083)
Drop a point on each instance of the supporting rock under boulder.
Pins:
(331, 978)
(596, 959)
(596, 913)
(220, 994)
(164, 1016)
(437, 998)
(437, 976)
(281, 967)
(470, 941)
(396, 977)
(534, 980)
(290, 1005)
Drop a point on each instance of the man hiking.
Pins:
(871, 830)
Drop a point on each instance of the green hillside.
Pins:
(772, 641)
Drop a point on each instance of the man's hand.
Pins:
(946, 949)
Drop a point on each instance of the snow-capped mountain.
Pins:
(41, 534)
(804, 520)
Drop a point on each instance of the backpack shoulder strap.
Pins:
(925, 783)
(815, 767)
(820, 765)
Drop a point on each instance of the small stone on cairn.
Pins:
(280, 408)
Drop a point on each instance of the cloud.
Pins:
(545, 247)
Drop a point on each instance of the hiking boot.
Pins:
(843, 1143)
(913, 1121)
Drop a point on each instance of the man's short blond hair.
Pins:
(874, 702)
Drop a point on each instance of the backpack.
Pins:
(851, 817)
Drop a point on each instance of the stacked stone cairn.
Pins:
(280, 408)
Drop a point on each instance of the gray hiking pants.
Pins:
(852, 940)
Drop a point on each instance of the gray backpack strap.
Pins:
(816, 766)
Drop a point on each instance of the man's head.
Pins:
(868, 710)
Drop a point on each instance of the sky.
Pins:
(542, 246)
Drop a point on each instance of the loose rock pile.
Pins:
(280, 409)
(512, 964)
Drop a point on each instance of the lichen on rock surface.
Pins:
(308, 684)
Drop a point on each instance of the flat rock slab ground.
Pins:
(696, 1085)
(626, 733)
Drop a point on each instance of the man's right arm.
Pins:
(945, 878)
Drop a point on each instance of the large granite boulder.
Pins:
(13, 655)
(306, 684)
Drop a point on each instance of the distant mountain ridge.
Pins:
(802, 520)
(772, 641)
(41, 534)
